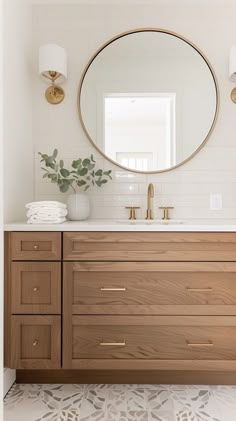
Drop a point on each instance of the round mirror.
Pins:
(148, 100)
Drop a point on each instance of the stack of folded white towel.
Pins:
(46, 212)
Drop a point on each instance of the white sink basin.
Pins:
(150, 221)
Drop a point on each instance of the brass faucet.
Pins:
(150, 195)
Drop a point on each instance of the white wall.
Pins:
(82, 30)
(18, 162)
(17, 118)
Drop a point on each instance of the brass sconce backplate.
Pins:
(54, 94)
(233, 95)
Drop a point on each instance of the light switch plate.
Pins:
(216, 201)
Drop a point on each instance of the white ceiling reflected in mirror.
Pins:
(148, 100)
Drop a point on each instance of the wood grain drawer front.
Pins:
(36, 342)
(36, 245)
(151, 246)
(162, 338)
(36, 288)
(151, 287)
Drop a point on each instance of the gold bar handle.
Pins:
(209, 289)
(112, 289)
(199, 345)
(113, 343)
(35, 343)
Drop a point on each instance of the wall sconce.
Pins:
(232, 70)
(53, 66)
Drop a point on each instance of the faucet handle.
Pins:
(166, 212)
(132, 211)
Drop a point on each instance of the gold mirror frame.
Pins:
(123, 34)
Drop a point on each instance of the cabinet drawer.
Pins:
(35, 342)
(36, 288)
(155, 338)
(151, 246)
(36, 246)
(151, 287)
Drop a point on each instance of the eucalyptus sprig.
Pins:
(82, 174)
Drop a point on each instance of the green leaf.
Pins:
(64, 172)
(98, 173)
(44, 156)
(52, 177)
(45, 175)
(86, 188)
(82, 172)
(61, 163)
(51, 166)
(81, 183)
(77, 163)
(50, 160)
(64, 187)
(92, 159)
(86, 162)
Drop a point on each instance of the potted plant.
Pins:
(80, 177)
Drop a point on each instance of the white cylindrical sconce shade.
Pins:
(232, 64)
(53, 58)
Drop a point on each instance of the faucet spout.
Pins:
(150, 195)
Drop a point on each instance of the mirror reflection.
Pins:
(148, 100)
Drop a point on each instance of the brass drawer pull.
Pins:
(35, 289)
(113, 343)
(36, 247)
(112, 289)
(209, 289)
(196, 345)
(35, 343)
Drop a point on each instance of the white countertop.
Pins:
(113, 225)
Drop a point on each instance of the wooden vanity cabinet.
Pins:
(33, 300)
(122, 302)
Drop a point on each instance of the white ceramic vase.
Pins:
(78, 206)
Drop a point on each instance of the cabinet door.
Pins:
(36, 288)
(36, 342)
(150, 288)
(36, 245)
(149, 246)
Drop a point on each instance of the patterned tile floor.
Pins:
(120, 403)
